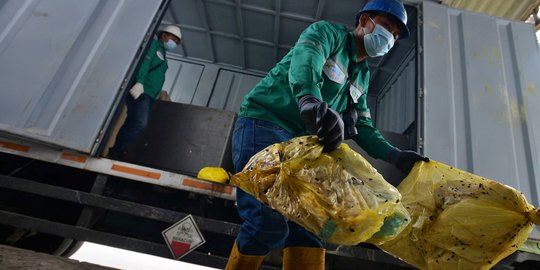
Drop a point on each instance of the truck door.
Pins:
(63, 63)
(480, 107)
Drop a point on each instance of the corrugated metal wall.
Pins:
(510, 9)
(396, 109)
(62, 63)
(482, 106)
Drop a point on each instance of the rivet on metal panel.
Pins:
(124, 84)
(421, 92)
(420, 143)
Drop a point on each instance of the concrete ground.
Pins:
(21, 259)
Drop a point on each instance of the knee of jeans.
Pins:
(273, 236)
(258, 241)
(260, 222)
(140, 124)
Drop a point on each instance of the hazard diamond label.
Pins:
(183, 237)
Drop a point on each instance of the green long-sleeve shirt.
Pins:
(152, 71)
(317, 65)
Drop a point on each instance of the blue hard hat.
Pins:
(393, 8)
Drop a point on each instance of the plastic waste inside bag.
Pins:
(459, 220)
(338, 196)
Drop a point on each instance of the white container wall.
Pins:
(62, 63)
(481, 110)
(208, 85)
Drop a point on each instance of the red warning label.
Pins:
(183, 237)
(179, 248)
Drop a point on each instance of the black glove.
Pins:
(321, 120)
(350, 116)
(404, 160)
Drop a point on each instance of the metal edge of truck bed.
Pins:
(118, 168)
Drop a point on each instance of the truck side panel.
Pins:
(481, 83)
(62, 64)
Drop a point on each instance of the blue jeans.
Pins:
(138, 111)
(262, 229)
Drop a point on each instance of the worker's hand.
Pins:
(137, 90)
(321, 120)
(350, 116)
(405, 160)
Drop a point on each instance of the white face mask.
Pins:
(170, 45)
(379, 41)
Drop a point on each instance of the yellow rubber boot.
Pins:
(302, 258)
(239, 261)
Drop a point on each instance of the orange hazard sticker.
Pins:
(208, 186)
(73, 157)
(14, 146)
(134, 171)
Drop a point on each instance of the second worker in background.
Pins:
(149, 82)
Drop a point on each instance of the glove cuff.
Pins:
(393, 157)
(307, 99)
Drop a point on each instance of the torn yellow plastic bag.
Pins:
(338, 196)
(459, 220)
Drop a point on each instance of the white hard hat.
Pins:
(173, 30)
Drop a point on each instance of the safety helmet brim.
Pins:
(173, 30)
(392, 8)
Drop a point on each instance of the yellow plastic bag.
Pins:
(338, 196)
(459, 220)
(214, 174)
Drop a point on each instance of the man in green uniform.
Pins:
(149, 81)
(319, 87)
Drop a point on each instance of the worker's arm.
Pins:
(147, 61)
(372, 141)
(368, 137)
(309, 55)
(305, 77)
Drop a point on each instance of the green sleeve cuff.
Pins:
(371, 140)
(314, 91)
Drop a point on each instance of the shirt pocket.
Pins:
(334, 72)
(356, 92)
